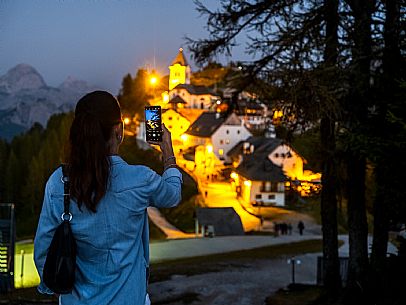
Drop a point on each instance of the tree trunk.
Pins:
(391, 72)
(331, 268)
(357, 224)
(356, 164)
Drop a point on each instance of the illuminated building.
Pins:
(222, 133)
(179, 71)
(259, 182)
(176, 123)
(281, 155)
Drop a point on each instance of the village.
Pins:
(242, 169)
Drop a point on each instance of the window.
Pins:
(266, 186)
(258, 196)
(227, 131)
(238, 132)
(276, 155)
(221, 142)
(169, 126)
(221, 152)
(282, 155)
(227, 141)
(246, 148)
(274, 187)
(271, 197)
(170, 118)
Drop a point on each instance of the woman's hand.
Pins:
(165, 144)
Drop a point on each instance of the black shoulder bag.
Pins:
(60, 263)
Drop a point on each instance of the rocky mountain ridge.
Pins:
(25, 98)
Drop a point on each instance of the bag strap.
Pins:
(66, 216)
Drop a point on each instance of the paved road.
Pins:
(174, 249)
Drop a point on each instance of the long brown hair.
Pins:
(89, 161)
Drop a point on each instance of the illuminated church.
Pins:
(182, 94)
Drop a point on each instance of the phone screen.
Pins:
(153, 123)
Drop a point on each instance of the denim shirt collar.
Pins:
(116, 159)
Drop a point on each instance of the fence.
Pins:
(7, 245)
(343, 270)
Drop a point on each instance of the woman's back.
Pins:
(112, 244)
(110, 222)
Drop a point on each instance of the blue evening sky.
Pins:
(97, 40)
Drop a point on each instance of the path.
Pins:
(170, 230)
(220, 195)
(176, 249)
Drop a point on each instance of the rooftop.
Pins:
(258, 167)
(216, 216)
(177, 99)
(195, 90)
(206, 124)
(261, 144)
(180, 59)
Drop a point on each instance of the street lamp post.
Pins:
(293, 261)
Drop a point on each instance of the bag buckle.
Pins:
(66, 216)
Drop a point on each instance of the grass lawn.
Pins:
(296, 294)
(212, 263)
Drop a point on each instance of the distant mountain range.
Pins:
(25, 98)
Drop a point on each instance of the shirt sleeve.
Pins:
(48, 222)
(166, 189)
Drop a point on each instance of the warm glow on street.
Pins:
(209, 149)
(221, 195)
(234, 175)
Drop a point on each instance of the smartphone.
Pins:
(153, 123)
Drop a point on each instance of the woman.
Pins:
(109, 201)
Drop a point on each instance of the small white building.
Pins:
(259, 182)
(217, 132)
(276, 156)
(196, 97)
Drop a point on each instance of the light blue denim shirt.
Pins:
(113, 243)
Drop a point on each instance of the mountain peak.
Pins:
(71, 83)
(20, 77)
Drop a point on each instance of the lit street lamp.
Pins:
(293, 261)
(153, 80)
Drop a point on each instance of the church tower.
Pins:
(179, 71)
